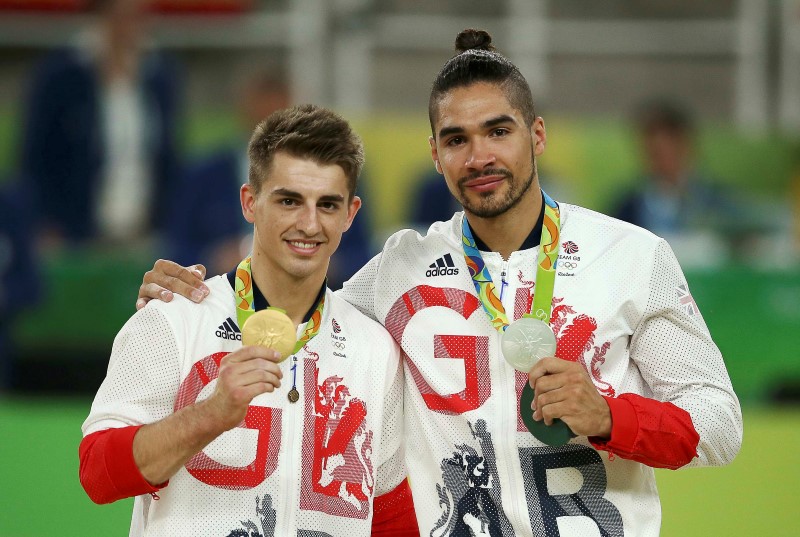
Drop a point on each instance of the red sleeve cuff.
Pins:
(624, 427)
(656, 433)
(108, 471)
(393, 513)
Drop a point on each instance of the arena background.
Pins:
(736, 63)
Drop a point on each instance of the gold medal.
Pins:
(293, 395)
(270, 328)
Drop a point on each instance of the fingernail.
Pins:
(197, 296)
(197, 271)
(206, 291)
(164, 295)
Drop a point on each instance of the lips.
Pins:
(303, 247)
(484, 183)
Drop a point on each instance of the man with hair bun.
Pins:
(633, 378)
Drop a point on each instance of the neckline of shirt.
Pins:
(260, 301)
(531, 241)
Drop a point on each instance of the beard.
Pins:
(491, 204)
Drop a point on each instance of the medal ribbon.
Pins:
(545, 269)
(245, 307)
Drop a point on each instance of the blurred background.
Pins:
(123, 127)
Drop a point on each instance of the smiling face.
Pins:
(485, 149)
(299, 214)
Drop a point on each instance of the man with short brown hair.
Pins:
(216, 438)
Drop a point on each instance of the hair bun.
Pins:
(473, 39)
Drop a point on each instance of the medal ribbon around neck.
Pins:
(245, 308)
(545, 270)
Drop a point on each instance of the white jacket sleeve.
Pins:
(676, 356)
(143, 374)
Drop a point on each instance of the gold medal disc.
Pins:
(270, 328)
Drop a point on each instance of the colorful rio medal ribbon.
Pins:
(271, 327)
(530, 338)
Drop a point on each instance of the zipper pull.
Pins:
(503, 282)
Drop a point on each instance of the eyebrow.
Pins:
(447, 131)
(489, 123)
(499, 120)
(286, 193)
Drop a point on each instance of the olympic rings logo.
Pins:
(569, 265)
(338, 345)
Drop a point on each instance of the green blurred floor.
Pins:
(40, 494)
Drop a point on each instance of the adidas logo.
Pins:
(229, 330)
(443, 266)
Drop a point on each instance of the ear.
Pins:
(355, 205)
(539, 136)
(435, 155)
(248, 198)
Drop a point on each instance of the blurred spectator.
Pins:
(19, 271)
(99, 142)
(671, 195)
(207, 226)
(431, 202)
(356, 247)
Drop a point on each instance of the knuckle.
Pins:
(225, 372)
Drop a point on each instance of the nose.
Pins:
(480, 156)
(308, 221)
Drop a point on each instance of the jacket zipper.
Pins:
(508, 428)
(503, 282)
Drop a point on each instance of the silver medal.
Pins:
(525, 341)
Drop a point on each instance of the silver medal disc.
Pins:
(525, 341)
